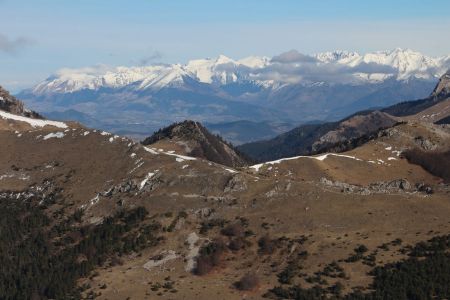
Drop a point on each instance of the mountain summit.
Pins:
(443, 87)
(191, 138)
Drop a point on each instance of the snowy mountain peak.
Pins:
(407, 62)
(166, 76)
(337, 55)
(255, 61)
(222, 59)
(289, 68)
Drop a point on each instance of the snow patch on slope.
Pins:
(32, 122)
(143, 182)
(178, 157)
(57, 135)
(321, 158)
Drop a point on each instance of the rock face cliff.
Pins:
(10, 104)
(440, 93)
(443, 87)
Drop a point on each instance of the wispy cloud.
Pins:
(13, 46)
(293, 56)
(151, 58)
(295, 67)
(92, 71)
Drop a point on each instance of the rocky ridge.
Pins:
(11, 104)
(195, 140)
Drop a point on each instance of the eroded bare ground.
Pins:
(307, 212)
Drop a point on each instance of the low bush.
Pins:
(266, 245)
(236, 244)
(247, 282)
(234, 229)
(288, 273)
(209, 257)
(210, 224)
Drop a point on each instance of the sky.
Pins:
(39, 37)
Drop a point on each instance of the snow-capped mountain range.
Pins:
(290, 88)
(287, 68)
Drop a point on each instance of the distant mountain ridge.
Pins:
(289, 88)
(401, 64)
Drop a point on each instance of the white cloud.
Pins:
(96, 70)
(13, 46)
(293, 56)
(294, 67)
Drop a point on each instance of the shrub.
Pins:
(287, 274)
(333, 270)
(204, 266)
(209, 257)
(266, 245)
(236, 244)
(247, 282)
(337, 289)
(206, 226)
(235, 229)
(77, 216)
(396, 242)
(361, 249)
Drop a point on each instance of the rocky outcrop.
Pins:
(408, 108)
(10, 104)
(425, 143)
(443, 87)
(354, 128)
(381, 187)
(199, 142)
(236, 184)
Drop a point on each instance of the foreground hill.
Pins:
(88, 214)
(191, 138)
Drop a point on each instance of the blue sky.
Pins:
(41, 36)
